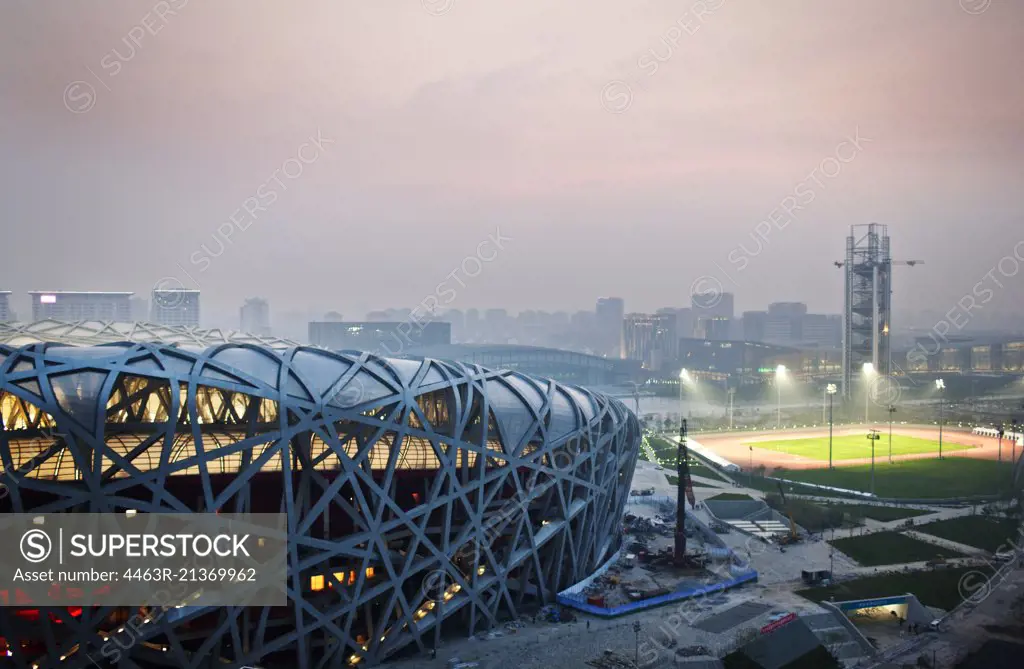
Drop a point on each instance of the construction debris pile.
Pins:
(641, 574)
(610, 660)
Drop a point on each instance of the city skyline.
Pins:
(462, 293)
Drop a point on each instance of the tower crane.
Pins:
(684, 493)
(908, 263)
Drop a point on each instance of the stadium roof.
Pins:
(91, 333)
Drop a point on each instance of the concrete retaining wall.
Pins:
(852, 629)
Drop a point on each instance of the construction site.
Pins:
(668, 554)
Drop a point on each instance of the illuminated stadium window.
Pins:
(316, 583)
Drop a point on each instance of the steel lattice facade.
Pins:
(423, 497)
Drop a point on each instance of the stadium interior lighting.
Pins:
(869, 369)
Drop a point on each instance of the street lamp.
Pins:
(732, 393)
(636, 631)
(830, 389)
(892, 410)
(1013, 443)
(869, 371)
(873, 436)
(941, 385)
(780, 371)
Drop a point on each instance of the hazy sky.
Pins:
(451, 118)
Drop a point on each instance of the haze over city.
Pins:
(444, 122)
(512, 334)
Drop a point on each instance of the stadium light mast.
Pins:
(941, 385)
(868, 372)
(873, 436)
(891, 410)
(780, 372)
(732, 394)
(830, 389)
(1013, 443)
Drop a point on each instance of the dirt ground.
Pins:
(734, 447)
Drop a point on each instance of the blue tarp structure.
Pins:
(579, 601)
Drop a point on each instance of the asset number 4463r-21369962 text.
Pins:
(223, 574)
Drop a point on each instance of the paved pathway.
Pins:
(946, 543)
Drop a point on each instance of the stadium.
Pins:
(428, 498)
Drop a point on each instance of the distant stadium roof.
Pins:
(88, 333)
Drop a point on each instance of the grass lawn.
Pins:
(990, 534)
(934, 587)
(769, 486)
(817, 516)
(729, 497)
(665, 452)
(880, 513)
(674, 480)
(851, 447)
(882, 548)
(811, 516)
(916, 479)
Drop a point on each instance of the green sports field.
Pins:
(853, 447)
(915, 479)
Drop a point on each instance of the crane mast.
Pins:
(684, 492)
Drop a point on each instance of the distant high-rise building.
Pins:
(458, 323)
(140, 309)
(377, 316)
(496, 318)
(785, 323)
(81, 305)
(254, 316)
(824, 330)
(652, 339)
(714, 328)
(638, 337)
(708, 307)
(175, 306)
(712, 304)
(384, 338)
(333, 317)
(684, 319)
(5, 306)
(754, 323)
(608, 322)
(790, 309)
